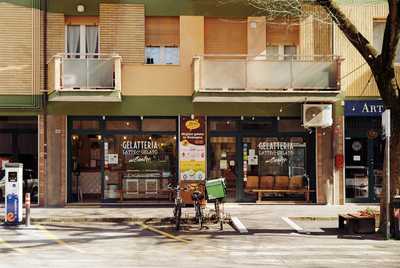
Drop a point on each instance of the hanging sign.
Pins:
(192, 148)
(364, 108)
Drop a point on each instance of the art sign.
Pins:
(364, 108)
(192, 148)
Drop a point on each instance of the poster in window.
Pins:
(192, 148)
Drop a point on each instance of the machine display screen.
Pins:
(12, 176)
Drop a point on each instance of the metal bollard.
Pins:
(27, 209)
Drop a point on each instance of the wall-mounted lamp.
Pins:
(80, 8)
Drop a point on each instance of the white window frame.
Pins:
(396, 61)
(82, 39)
(162, 55)
(281, 50)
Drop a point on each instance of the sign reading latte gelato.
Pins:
(192, 148)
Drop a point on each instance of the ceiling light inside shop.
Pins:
(99, 137)
(125, 137)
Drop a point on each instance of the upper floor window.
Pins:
(162, 40)
(282, 40)
(379, 30)
(225, 36)
(82, 37)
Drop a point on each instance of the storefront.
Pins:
(264, 153)
(114, 159)
(364, 150)
(121, 158)
(19, 144)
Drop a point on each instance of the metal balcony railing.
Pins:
(91, 72)
(242, 73)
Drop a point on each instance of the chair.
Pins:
(296, 183)
(281, 183)
(252, 183)
(266, 182)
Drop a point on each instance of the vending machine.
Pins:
(13, 193)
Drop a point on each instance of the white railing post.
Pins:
(117, 69)
(58, 77)
(196, 74)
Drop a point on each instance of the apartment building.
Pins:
(109, 101)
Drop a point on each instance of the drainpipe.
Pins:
(45, 100)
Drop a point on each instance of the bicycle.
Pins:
(177, 206)
(219, 213)
(197, 196)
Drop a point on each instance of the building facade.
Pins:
(110, 102)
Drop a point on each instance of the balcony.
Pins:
(240, 78)
(92, 78)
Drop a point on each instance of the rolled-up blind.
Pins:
(283, 33)
(225, 36)
(162, 31)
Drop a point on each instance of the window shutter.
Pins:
(283, 33)
(225, 36)
(162, 31)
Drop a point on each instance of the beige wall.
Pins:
(355, 81)
(168, 80)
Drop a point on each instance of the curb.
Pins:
(315, 218)
(90, 219)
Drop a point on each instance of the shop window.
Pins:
(290, 125)
(223, 125)
(225, 36)
(6, 143)
(162, 40)
(379, 30)
(123, 125)
(85, 124)
(159, 124)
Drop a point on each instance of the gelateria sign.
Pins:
(140, 147)
(275, 148)
(192, 148)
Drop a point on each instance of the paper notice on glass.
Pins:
(356, 158)
(252, 152)
(232, 163)
(253, 160)
(223, 164)
(113, 159)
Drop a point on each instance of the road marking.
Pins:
(165, 234)
(9, 246)
(59, 241)
(293, 225)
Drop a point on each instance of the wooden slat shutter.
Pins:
(225, 36)
(283, 33)
(162, 31)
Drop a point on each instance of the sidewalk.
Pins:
(246, 212)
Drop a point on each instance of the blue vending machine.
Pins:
(13, 193)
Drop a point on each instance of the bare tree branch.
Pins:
(392, 33)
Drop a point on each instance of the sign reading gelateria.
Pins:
(275, 148)
(139, 147)
(192, 148)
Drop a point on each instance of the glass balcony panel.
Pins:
(313, 75)
(268, 74)
(100, 73)
(224, 74)
(74, 71)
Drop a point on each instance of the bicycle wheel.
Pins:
(178, 213)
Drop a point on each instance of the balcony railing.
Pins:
(88, 73)
(241, 73)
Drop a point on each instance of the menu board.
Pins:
(192, 148)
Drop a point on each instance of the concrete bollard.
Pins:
(27, 209)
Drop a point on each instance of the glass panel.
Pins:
(74, 73)
(275, 164)
(223, 163)
(268, 74)
(356, 171)
(290, 52)
(223, 125)
(314, 74)
(217, 74)
(86, 165)
(85, 124)
(123, 125)
(171, 55)
(92, 39)
(100, 73)
(19, 144)
(290, 125)
(73, 39)
(272, 52)
(379, 150)
(142, 166)
(153, 55)
(159, 124)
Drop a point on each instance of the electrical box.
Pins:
(13, 193)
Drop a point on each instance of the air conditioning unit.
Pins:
(317, 115)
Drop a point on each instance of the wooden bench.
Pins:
(260, 193)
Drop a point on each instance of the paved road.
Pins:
(98, 245)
